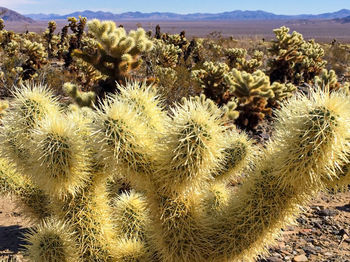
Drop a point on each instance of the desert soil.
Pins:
(322, 232)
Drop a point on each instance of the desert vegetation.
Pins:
(148, 146)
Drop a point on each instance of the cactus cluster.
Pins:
(166, 55)
(117, 52)
(178, 164)
(212, 80)
(37, 57)
(294, 59)
(237, 58)
(251, 94)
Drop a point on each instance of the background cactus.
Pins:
(117, 53)
(49, 35)
(295, 60)
(166, 55)
(212, 81)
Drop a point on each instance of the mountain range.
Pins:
(234, 15)
(10, 15)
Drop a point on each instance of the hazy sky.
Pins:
(178, 6)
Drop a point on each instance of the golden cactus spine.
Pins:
(178, 164)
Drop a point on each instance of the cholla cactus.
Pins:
(52, 241)
(327, 80)
(2, 24)
(49, 35)
(246, 86)
(3, 106)
(212, 80)
(282, 91)
(178, 165)
(33, 201)
(178, 40)
(234, 54)
(194, 50)
(12, 48)
(166, 55)
(117, 53)
(216, 49)
(253, 92)
(255, 95)
(237, 58)
(166, 77)
(37, 57)
(81, 98)
(75, 40)
(294, 59)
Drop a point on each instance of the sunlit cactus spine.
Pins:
(178, 164)
(32, 200)
(3, 106)
(52, 240)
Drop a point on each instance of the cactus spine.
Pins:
(177, 163)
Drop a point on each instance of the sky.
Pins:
(176, 6)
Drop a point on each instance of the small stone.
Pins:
(300, 258)
(274, 259)
(327, 212)
(309, 250)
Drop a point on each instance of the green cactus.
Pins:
(234, 54)
(194, 50)
(177, 163)
(166, 79)
(282, 91)
(246, 86)
(237, 58)
(117, 53)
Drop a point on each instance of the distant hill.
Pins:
(344, 20)
(10, 15)
(234, 15)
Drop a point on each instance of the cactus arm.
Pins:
(33, 201)
(284, 178)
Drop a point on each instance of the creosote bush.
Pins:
(177, 163)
